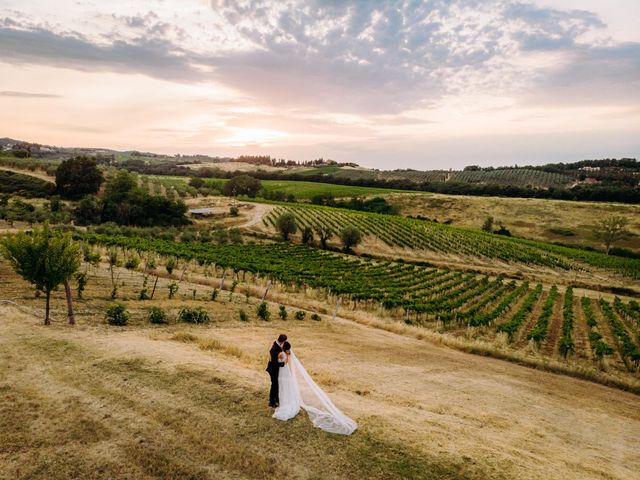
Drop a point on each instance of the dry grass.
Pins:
(189, 401)
(524, 217)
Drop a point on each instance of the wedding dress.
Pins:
(297, 389)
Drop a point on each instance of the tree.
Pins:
(263, 311)
(350, 237)
(487, 226)
(126, 204)
(77, 177)
(611, 230)
(88, 210)
(44, 258)
(286, 225)
(324, 234)
(242, 185)
(307, 236)
(196, 182)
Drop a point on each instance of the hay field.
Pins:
(179, 401)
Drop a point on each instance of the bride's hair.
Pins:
(286, 347)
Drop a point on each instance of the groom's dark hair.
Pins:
(282, 338)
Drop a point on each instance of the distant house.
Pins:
(590, 169)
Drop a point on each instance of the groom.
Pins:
(273, 367)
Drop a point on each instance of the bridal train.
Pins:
(298, 390)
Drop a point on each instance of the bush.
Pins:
(157, 315)
(193, 315)
(132, 263)
(117, 315)
(263, 312)
(299, 315)
(214, 294)
(315, 317)
(233, 211)
(243, 316)
(282, 312)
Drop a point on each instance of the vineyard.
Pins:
(414, 234)
(517, 316)
(521, 177)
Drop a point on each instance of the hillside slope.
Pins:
(105, 402)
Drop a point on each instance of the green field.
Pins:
(301, 190)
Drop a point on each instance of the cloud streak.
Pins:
(9, 93)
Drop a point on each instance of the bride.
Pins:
(297, 390)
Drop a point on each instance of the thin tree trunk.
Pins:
(46, 311)
(70, 316)
(154, 287)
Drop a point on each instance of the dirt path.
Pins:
(256, 215)
(36, 173)
(493, 417)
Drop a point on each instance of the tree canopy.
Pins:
(286, 224)
(350, 236)
(242, 185)
(123, 202)
(43, 257)
(77, 177)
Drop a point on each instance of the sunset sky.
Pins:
(386, 84)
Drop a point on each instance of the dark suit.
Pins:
(273, 367)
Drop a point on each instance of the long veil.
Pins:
(321, 410)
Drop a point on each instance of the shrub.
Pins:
(282, 312)
(243, 316)
(263, 311)
(214, 294)
(157, 315)
(173, 288)
(299, 315)
(171, 264)
(193, 315)
(315, 317)
(132, 263)
(233, 211)
(117, 315)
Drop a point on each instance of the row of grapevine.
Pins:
(628, 349)
(540, 330)
(511, 327)
(566, 342)
(598, 345)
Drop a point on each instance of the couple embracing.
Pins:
(292, 389)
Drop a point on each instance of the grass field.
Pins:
(179, 401)
(303, 191)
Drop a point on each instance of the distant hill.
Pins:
(600, 179)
